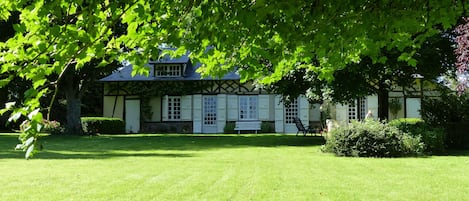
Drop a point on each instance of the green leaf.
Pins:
(31, 92)
(412, 62)
(38, 83)
(28, 142)
(10, 105)
(35, 115)
(382, 59)
(197, 11)
(29, 152)
(19, 28)
(14, 117)
(2, 111)
(4, 82)
(55, 30)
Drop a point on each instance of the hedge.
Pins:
(102, 125)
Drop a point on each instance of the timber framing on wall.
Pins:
(159, 88)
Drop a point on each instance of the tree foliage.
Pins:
(55, 35)
(366, 77)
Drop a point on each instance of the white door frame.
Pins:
(132, 115)
(289, 113)
(209, 114)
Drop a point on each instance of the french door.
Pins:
(209, 114)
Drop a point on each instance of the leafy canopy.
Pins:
(263, 39)
(366, 77)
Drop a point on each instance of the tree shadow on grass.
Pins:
(44, 154)
(108, 146)
(454, 152)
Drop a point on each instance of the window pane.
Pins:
(168, 70)
(174, 108)
(248, 107)
(291, 112)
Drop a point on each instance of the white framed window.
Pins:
(357, 109)
(168, 70)
(291, 111)
(210, 110)
(248, 108)
(174, 108)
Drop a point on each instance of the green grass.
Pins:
(220, 167)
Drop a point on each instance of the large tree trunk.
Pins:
(71, 87)
(383, 103)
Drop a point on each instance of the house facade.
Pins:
(175, 98)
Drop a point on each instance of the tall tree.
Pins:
(56, 35)
(75, 83)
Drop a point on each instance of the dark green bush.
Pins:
(266, 127)
(457, 135)
(372, 139)
(102, 125)
(229, 128)
(450, 112)
(432, 137)
(448, 108)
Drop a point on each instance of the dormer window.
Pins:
(168, 70)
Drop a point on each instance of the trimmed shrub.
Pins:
(102, 125)
(432, 137)
(405, 121)
(266, 127)
(229, 128)
(372, 139)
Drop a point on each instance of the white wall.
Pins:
(372, 104)
(413, 108)
(155, 104)
(315, 112)
(197, 113)
(164, 109)
(113, 107)
(279, 114)
(264, 107)
(186, 108)
(303, 110)
(341, 113)
(272, 107)
(221, 112)
(232, 105)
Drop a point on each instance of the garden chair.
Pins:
(302, 128)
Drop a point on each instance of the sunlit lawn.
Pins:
(220, 167)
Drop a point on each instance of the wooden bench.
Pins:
(247, 126)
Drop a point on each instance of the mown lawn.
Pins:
(220, 167)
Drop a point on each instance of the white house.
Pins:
(175, 98)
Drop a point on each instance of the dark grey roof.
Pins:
(168, 60)
(123, 74)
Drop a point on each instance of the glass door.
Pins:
(209, 114)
